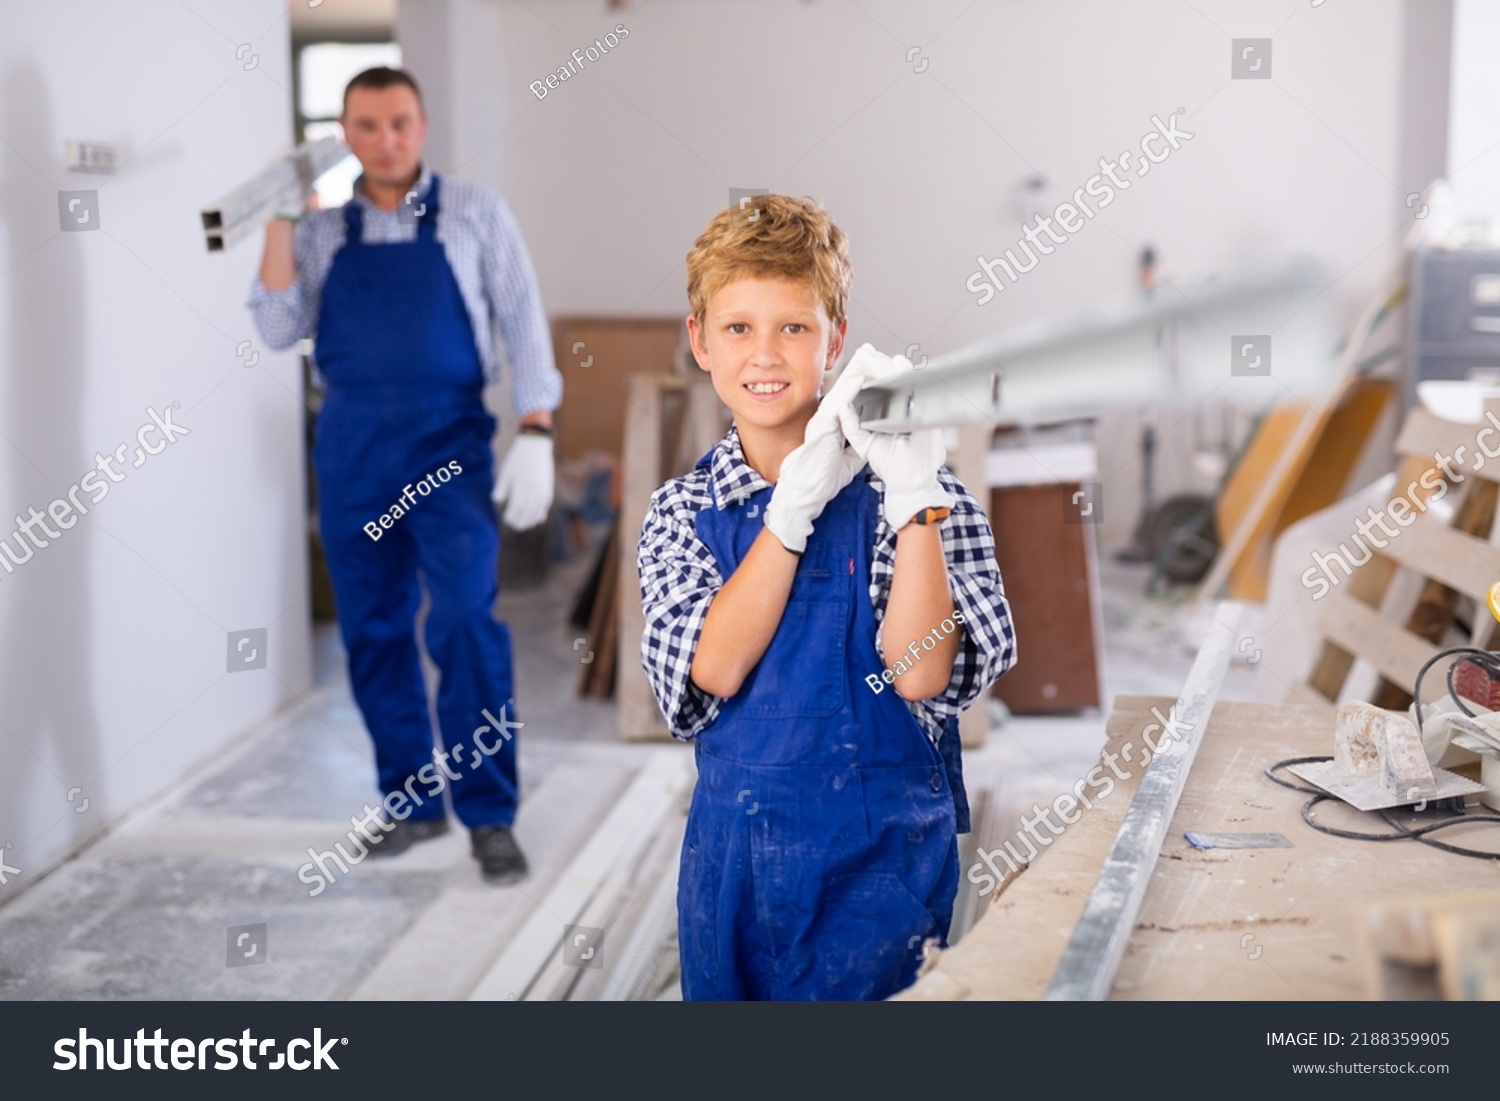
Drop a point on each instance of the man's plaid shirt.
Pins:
(679, 578)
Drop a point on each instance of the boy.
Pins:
(816, 627)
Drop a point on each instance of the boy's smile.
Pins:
(767, 343)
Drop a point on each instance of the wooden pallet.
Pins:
(1455, 560)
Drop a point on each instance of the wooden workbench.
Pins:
(1276, 924)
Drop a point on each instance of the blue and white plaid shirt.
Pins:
(679, 578)
(488, 258)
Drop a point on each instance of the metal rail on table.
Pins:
(1089, 963)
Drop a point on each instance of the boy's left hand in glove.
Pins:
(908, 464)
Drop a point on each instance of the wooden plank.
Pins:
(969, 905)
(1458, 560)
(1468, 952)
(1092, 958)
(638, 716)
(601, 672)
(1368, 585)
(557, 978)
(646, 942)
(657, 446)
(639, 811)
(1425, 434)
(627, 934)
(704, 420)
(1315, 482)
(559, 817)
(605, 609)
(1305, 695)
(1423, 946)
(1396, 654)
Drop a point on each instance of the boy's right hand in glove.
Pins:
(814, 473)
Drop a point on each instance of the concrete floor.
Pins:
(152, 909)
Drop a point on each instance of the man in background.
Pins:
(403, 287)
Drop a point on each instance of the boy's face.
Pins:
(767, 344)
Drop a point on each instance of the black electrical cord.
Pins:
(1487, 660)
(1402, 832)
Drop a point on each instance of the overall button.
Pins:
(937, 781)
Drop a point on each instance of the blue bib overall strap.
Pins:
(392, 313)
(396, 346)
(820, 850)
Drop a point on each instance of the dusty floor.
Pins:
(147, 911)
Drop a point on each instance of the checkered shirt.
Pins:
(679, 578)
(488, 258)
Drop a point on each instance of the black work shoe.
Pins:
(498, 854)
(403, 835)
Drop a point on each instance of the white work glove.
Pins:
(295, 209)
(908, 464)
(814, 473)
(526, 479)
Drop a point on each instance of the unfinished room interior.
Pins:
(454, 416)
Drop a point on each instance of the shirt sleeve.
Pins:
(510, 286)
(678, 581)
(286, 316)
(988, 648)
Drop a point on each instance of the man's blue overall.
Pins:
(821, 847)
(397, 349)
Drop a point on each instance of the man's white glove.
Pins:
(908, 464)
(814, 473)
(526, 480)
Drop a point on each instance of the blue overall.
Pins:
(821, 845)
(404, 377)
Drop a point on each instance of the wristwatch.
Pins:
(932, 515)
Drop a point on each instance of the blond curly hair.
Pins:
(792, 238)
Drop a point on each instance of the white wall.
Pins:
(1474, 149)
(614, 173)
(113, 639)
